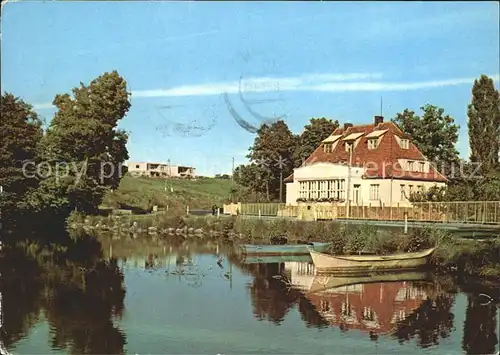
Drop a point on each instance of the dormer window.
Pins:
(411, 165)
(421, 167)
(372, 143)
(348, 146)
(405, 143)
(327, 147)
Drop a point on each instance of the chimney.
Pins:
(347, 125)
(378, 120)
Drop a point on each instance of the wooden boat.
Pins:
(265, 259)
(323, 283)
(286, 249)
(354, 264)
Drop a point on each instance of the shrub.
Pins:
(418, 239)
(75, 218)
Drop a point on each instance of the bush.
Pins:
(75, 218)
(417, 240)
(388, 243)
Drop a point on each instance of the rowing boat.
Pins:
(286, 249)
(354, 264)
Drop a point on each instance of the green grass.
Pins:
(143, 193)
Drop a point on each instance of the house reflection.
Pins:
(358, 302)
(375, 307)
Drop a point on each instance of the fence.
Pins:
(263, 209)
(475, 212)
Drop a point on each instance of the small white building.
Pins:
(161, 170)
(375, 164)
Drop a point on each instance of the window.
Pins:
(348, 146)
(372, 143)
(323, 189)
(411, 165)
(328, 147)
(304, 189)
(420, 188)
(313, 189)
(410, 187)
(374, 192)
(137, 166)
(403, 194)
(421, 167)
(357, 194)
(405, 143)
(331, 188)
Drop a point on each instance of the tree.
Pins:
(253, 177)
(83, 136)
(435, 134)
(484, 124)
(21, 134)
(273, 149)
(313, 134)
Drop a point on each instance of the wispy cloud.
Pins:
(255, 84)
(43, 106)
(387, 86)
(313, 82)
(316, 82)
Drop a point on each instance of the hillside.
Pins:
(143, 193)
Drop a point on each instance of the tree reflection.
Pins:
(80, 314)
(21, 297)
(79, 292)
(431, 321)
(310, 315)
(271, 297)
(480, 326)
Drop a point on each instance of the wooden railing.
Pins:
(476, 212)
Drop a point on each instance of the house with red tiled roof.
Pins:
(374, 164)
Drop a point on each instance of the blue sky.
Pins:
(292, 59)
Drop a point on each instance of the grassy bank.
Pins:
(452, 254)
(143, 193)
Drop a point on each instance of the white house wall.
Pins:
(327, 171)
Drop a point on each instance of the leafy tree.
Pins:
(311, 137)
(83, 134)
(21, 134)
(253, 177)
(489, 188)
(273, 149)
(484, 124)
(434, 193)
(435, 133)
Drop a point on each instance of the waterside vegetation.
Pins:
(468, 257)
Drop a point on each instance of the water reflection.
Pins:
(21, 288)
(430, 322)
(82, 300)
(78, 300)
(401, 306)
(480, 326)
(271, 297)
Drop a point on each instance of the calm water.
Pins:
(178, 300)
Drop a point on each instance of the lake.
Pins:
(177, 299)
